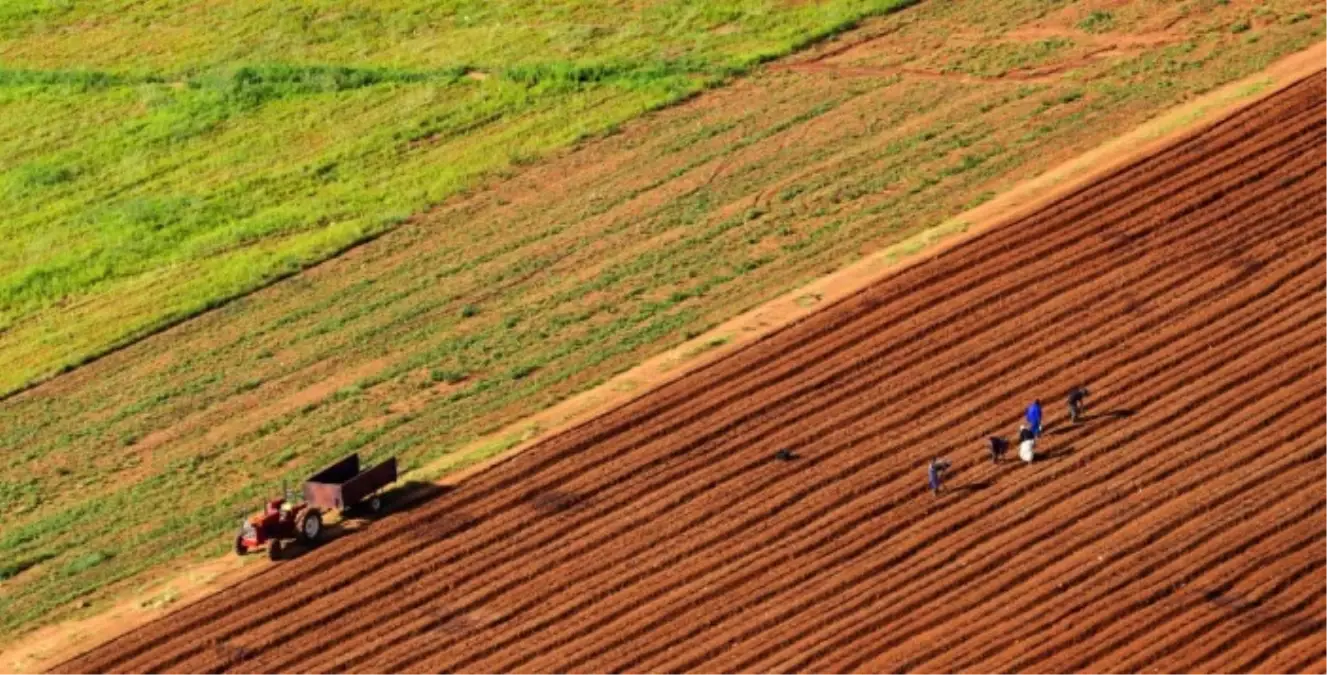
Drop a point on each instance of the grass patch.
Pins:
(1098, 21)
(86, 562)
(284, 457)
(13, 569)
(213, 166)
(165, 598)
(447, 376)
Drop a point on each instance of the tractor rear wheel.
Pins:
(274, 550)
(310, 525)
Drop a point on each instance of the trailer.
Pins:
(343, 486)
(340, 487)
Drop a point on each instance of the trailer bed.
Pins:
(342, 485)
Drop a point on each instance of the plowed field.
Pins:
(1181, 527)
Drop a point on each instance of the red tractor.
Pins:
(340, 486)
(280, 520)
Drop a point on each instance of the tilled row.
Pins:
(1187, 289)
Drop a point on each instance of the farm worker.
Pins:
(1026, 443)
(1025, 433)
(935, 473)
(1076, 397)
(998, 446)
(1034, 417)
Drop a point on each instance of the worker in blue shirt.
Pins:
(1034, 417)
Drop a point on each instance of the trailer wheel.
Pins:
(310, 525)
(274, 550)
(240, 548)
(375, 504)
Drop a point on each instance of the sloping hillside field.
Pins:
(443, 340)
(1181, 527)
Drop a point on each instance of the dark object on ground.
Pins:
(1076, 397)
(935, 474)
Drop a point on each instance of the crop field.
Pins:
(159, 158)
(1179, 528)
(532, 287)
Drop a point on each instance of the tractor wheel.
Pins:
(310, 525)
(375, 504)
(274, 549)
(240, 548)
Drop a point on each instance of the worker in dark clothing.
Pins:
(1034, 417)
(1076, 397)
(935, 473)
(1025, 433)
(998, 446)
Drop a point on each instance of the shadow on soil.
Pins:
(1057, 454)
(1260, 614)
(412, 494)
(554, 501)
(1064, 428)
(970, 487)
(1117, 414)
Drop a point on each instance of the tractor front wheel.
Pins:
(240, 548)
(310, 525)
(274, 550)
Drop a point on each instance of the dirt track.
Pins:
(1186, 291)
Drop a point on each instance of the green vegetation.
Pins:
(994, 59)
(251, 139)
(575, 268)
(1099, 21)
(86, 562)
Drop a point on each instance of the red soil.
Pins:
(1180, 528)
